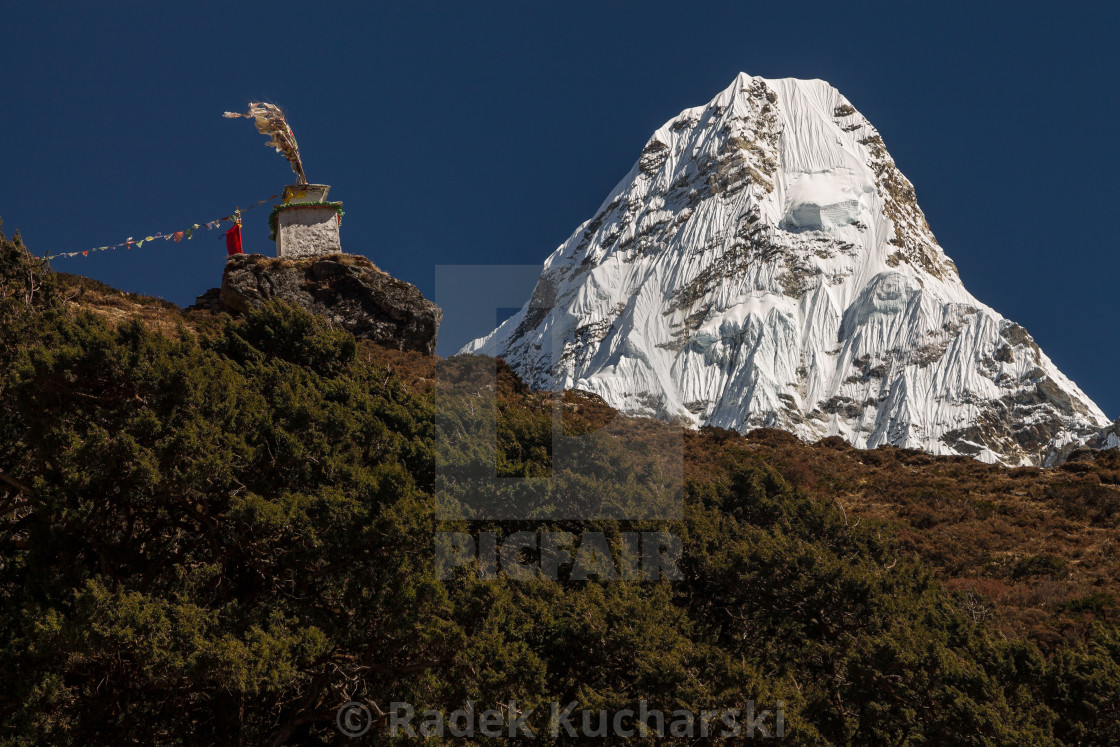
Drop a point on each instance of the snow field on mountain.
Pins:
(764, 263)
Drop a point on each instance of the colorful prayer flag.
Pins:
(233, 238)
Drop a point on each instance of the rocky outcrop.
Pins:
(347, 289)
(211, 301)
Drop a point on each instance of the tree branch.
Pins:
(21, 487)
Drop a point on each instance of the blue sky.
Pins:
(477, 133)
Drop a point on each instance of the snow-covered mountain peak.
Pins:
(765, 263)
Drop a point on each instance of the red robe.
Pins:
(233, 240)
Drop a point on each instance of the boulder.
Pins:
(346, 289)
(211, 300)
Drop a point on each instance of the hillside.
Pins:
(219, 529)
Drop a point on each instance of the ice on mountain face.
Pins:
(765, 263)
(825, 202)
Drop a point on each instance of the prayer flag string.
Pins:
(176, 236)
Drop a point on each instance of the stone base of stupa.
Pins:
(305, 224)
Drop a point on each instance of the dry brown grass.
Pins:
(1031, 543)
(116, 306)
(415, 369)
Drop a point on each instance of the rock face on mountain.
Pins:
(347, 289)
(1108, 438)
(765, 263)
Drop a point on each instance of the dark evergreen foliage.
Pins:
(221, 536)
